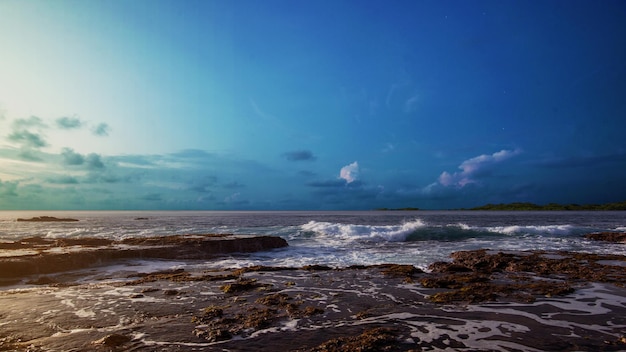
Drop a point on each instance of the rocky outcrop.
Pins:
(484, 275)
(317, 308)
(47, 219)
(38, 255)
(617, 237)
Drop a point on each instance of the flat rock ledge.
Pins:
(37, 255)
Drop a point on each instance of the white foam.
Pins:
(532, 229)
(84, 313)
(352, 232)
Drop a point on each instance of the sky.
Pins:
(310, 105)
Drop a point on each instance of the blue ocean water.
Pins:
(341, 239)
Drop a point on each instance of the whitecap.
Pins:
(354, 232)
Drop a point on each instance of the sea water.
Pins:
(341, 239)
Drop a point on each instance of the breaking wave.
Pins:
(418, 230)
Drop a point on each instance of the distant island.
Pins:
(551, 206)
(397, 209)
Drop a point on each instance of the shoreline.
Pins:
(481, 300)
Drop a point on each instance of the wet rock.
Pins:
(482, 275)
(333, 310)
(617, 237)
(43, 256)
(242, 285)
(398, 270)
(113, 340)
(317, 267)
(377, 339)
(276, 299)
(310, 310)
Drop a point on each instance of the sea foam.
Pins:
(353, 232)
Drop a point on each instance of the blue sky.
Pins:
(153, 104)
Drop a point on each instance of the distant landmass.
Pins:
(552, 206)
(397, 209)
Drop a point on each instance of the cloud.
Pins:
(29, 142)
(411, 104)
(152, 197)
(27, 139)
(68, 123)
(191, 154)
(70, 157)
(8, 188)
(233, 198)
(473, 167)
(63, 180)
(94, 161)
(101, 129)
(584, 161)
(32, 121)
(306, 173)
(327, 183)
(203, 185)
(350, 172)
(234, 184)
(299, 155)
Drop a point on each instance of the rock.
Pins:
(113, 340)
(43, 256)
(482, 275)
(617, 237)
(376, 339)
(47, 219)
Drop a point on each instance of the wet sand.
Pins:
(481, 301)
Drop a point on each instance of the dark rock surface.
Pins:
(482, 301)
(617, 237)
(38, 255)
(483, 275)
(47, 219)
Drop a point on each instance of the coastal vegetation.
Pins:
(551, 206)
(527, 206)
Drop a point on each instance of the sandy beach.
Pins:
(482, 300)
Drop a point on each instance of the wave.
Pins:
(554, 230)
(418, 230)
(392, 233)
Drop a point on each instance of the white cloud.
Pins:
(350, 172)
(410, 105)
(470, 167)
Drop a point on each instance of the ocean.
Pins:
(341, 238)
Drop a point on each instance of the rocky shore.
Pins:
(480, 300)
(38, 255)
